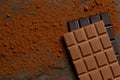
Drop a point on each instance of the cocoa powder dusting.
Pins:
(30, 39)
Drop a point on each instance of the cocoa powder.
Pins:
(30, 39)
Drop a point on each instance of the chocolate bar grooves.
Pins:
(76, 24)
(94, 58)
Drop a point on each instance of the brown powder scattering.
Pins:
(31, 32)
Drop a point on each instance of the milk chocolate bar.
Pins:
(92, 53)
(90, 20)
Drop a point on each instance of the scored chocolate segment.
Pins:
(93, 55)
(95, 47)
(111, 56)
(115, 47)
(95, 75)
(80, 35)
(101, 59)
(106, 18)
(95, 18)
(105, 41)
(100, 30)
(90, 63)
(110, 32)
(74, 52)
(115, 69)
(73, 25)
(106, 73)
(118, 58)
(84, 22)
(70, 39)
(85, 48)
(84, 77)
(80, 67)
(91, 31)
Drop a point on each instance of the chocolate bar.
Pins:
(90, 20)
(92, 53)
